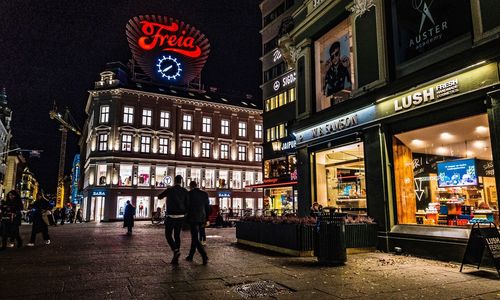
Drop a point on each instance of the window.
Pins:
(186, 148)
(127, 142)
(144, 174)
(236, 182)
(187, 122)
(258, 154)
(242, 129)
(104, 115)
(224, 127)
(103, 142)
(209, 181)
(128, 115)
(284, 98)
(258, 131)
(207, 124)
(223, 179)
(145, 144)
(249, 178)
(205, 149)
(146, 117)
(242, 153)
(276, 132)
(165, 119)
(142, 206)
(163, 146)
(125, 178)
(102, 174)
(224, 151)
(195, 175)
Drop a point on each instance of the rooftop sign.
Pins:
(167, 50)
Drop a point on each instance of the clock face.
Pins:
(169, 67)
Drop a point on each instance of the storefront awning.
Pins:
(278, 184)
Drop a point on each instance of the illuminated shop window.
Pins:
(224, 151)
(276, 132)
(125, 177)
(209, 181)
(144, 175)
(258, 131)
(182, 172)
(224, 127)
(444, 174)
(249, 178)
(104, 114)
(242, 129)
(145, 144)
(258, 154)
(207, 124)
(163, 146)
(103, 142)
(242, 153)
(101, 174)
(186, 148)
(127, 142)
(195, 175)
(205, 150)
(128, 115)
(146, 117)
(223, 179)
(162, 179)
(142, 209)
(165, 119)
(187, 122)
(120, 205)
(237, 180)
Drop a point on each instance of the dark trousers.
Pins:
(173, 225)
(10, 231)
(14, 234)
(195, 241)
(129, 228)
(203, 235)
(45, 231)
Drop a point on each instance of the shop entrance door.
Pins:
(99, 208)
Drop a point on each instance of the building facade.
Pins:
(5, 136)
(138, 136)
(398, 116)
(278, 91)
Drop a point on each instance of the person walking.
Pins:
(128, 217)
(63, 215)
(40, 206)
(11, 219)
(198, 211)
(177, 204)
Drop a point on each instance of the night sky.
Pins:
(54, 51)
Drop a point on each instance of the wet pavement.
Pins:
(98, 261)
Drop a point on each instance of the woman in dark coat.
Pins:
(40, 206)
(128, 217)
(11, 219)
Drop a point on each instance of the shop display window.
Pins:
(144, 172)
(209, 182)
(249, 178)
(340, 178)
(182, 172)
(334, 66)
(125, 178)
(444, 174)
(101, 174)
(142, 207)
(279, 200)
(196, 175)
(223, 179)
(162, 178)
(120, 205)
(236, 180)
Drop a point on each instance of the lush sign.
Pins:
(168, 50)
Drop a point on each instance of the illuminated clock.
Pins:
(169, 67)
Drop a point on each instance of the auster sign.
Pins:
(167, 50)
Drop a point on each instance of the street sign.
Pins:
(480, 238)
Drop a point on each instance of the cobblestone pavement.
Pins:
(98, 261)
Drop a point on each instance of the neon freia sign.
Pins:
(166, 49)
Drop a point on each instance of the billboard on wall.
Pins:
(167, 50)
(334, 66)
(422, 25)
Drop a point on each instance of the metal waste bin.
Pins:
(331, 244)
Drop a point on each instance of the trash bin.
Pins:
(331, 244)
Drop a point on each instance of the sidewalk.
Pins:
(89, 261)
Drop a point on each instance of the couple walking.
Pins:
(192, 206)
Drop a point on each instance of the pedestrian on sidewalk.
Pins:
(40, 206)
(11, 219)
(128, 217)
(198, 211)
(63, 215)
(177, 204)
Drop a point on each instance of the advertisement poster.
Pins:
(457, 173)
(334, 67)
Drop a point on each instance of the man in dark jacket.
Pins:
(177, 204)
(128, 217)
(198, 211)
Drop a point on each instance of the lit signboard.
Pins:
(166, 49)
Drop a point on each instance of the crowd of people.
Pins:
(39, 214)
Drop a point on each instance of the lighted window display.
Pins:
(237, 203)
(340, 178)
(142, 207)
(212, 200)
(444, 174)
(125, 178)
(196, 175)
(101, 174)
(162, 178)
(225, 203)
(182, 172)
(279, 199)
(249, 178)
(223, 179)
(250, 203)
(144, 172)
(275, 168)
(334, 67)
(209, 182)
(121, 202)
(236, 180)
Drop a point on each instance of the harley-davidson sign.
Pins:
(166, 49)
